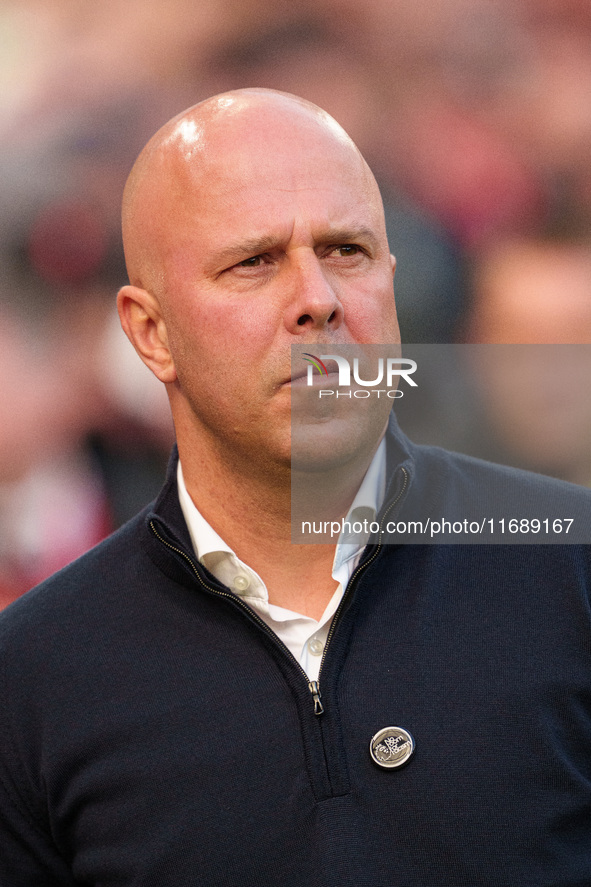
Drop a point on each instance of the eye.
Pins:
(346, 249)
(252, 262)
(252, 268)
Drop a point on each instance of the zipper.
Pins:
(313, 686)
(315, 691)
(362, 567)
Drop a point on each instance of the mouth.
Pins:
(330, 377)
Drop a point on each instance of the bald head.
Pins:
(251, 223)
(221, 136)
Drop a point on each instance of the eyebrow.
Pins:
(350, 235)
(245, 248)
(256, 245)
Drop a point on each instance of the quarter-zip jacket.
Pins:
(154, 731)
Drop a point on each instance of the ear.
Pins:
(142, 321)
(393, 263)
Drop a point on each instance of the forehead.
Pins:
(261, 178)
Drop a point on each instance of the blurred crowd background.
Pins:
(475, 116)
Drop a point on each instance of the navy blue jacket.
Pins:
(155, 733)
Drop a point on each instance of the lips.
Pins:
(299, 374)
(331, 366)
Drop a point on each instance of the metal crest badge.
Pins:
(391, 747)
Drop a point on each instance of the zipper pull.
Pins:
(315, 691)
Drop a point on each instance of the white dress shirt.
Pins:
(305, 637)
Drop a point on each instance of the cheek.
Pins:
(216, 347)
(371, 314)
(240, 330)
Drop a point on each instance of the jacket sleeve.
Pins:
(28, 855)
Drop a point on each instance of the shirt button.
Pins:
(316, 646)
(241, 582)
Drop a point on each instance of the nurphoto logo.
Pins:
(386, 371)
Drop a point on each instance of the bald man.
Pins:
(237, 248)
(197, 700)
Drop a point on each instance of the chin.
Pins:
(333, 432)
(333, 445)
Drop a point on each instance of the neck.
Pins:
(251, 510)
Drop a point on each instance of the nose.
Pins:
(314, 303)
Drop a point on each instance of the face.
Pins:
(280, 243)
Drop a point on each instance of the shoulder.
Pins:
(455, 470)
(452, 486)
(89, 584)
(432, 469)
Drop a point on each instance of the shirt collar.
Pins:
(364, 508)
(204, 538)
(210, 549)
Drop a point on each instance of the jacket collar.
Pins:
(164, 521)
